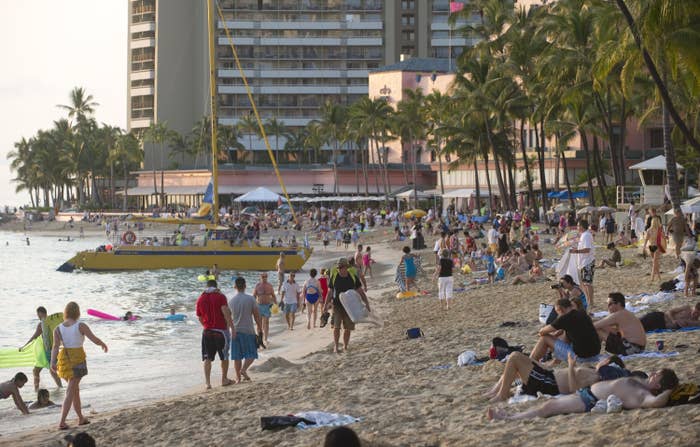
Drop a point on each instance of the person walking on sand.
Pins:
(311, 291)
(367, 262)
(46, 333)
(215, 317)
(11, 388)
(443, 274)
(280, 272)
(342, 280)
(586, 260)
(323, 282)
(70, 362)
(290, 298)
(358, 256)
(264, 294)
(679, 230)
(244, 348)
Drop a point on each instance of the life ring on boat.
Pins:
(129, 237)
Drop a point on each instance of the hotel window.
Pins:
(408, 4)
(656, 137)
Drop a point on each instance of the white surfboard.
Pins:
(358, 313)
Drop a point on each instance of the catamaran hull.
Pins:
(154, 258)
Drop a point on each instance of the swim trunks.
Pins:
(244, 346)
(653, 321)
(290, 308)
(264, 310)
(215, 342)
(616, 344)
(587, 397)
(562, 350)
(541, 380)
(340, 316)
(587, 273)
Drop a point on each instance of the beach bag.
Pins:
(547, 313)
(685, 393)
(414, 332)
(467, 358)
(500, 349)
(280, 422)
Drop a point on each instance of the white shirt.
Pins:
(492, 236)
(291, 292)
(436, 248)
(586, 241)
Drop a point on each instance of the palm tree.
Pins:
(128, 152)
(228, 142)
(278, 129)
(409, 111)
(158, 133)
(332, 124)
(370, 117)
(437, 110)
(249, 126)
(82, 105)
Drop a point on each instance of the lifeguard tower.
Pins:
(652, 174)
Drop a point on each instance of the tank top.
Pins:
(71, 336)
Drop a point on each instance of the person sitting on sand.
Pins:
(614, 260)
(633, 392)
(537, 379)
(569, 289)
(676, 318)
(622, 240)
(580, 333)
(11, 388)
(42, 400)
(535, 273)
(622, 331)
(691, 278)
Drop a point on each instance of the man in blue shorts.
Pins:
(632, 392)
(215, 317)
(264, 294)
(244, 348)
(580, 338)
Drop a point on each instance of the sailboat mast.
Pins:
(213, 118)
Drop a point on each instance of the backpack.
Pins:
(500, 349)
(334, 273)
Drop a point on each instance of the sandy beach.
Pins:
(408, 391)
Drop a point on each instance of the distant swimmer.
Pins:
(11, 388)
(129, 316)
(43, 400)
(68, 239)
(27, 241)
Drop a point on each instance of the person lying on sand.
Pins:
(536, 378)
(533, 275)
(676, 318)
(11, 388)
(633, 392)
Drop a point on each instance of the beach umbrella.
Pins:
(562, 207)
(586, 210)
(606, 209)
(414, 213)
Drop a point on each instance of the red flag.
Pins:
(456, 7)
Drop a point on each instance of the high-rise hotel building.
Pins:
(297, 54)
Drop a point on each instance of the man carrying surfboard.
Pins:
(342, 280)
(45, 329)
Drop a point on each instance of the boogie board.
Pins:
(356, 310)
(104, 316)
(406, 294)
(176, 317)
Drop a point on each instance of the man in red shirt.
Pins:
(215, 316)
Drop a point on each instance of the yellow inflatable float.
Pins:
(406, 294)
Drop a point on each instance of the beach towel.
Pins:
(568, 265)
(658, 297)
(650, 355)
(683, 329)
(312, 419)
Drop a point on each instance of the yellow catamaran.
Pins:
(211, 243)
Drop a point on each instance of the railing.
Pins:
(628, 194)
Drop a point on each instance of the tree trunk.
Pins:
(566, 174)
(589, 174)
(488, 179)
(528, 178)
(623, 140)
(439, 154)
(599, 170)
(540, 163)
(126, 184)
(477, 187)
(670, 154)
(499, 175)
(112, 186)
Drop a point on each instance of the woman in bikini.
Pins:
(312, 294)
(656, 240)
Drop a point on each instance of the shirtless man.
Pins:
(676, 318)
(280, 272)
(536, 378)
(11, 388)
(264, 294)
(43, 330)
(633, 392)
(622, 331)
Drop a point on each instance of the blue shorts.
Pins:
(265, 310)
(244, 346)
(588, 398)
(290, 308)
(562, 350)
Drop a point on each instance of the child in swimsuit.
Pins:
(410, 270)
(367, 261)
(312, 293)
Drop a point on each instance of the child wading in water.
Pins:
(367, 262)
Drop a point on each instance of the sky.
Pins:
(47, 48)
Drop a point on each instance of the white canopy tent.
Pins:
(260, 194)
(656, 163)
(409, 194)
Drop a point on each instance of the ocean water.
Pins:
(148, 360)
